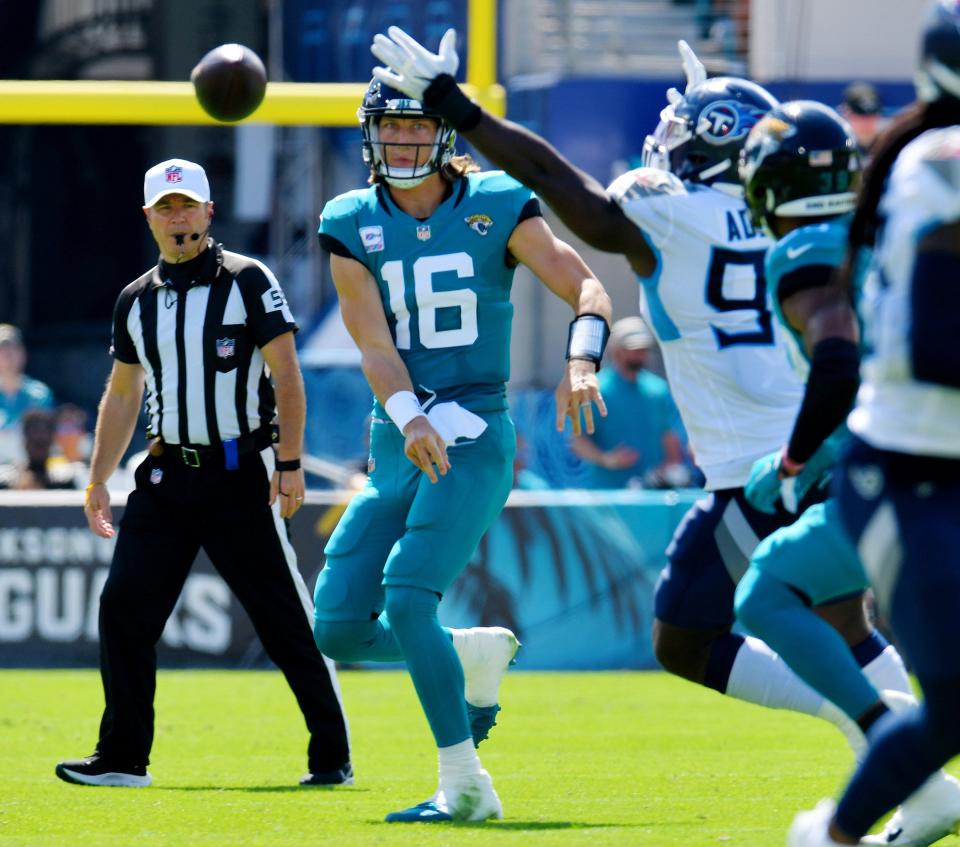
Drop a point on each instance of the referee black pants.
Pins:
(173, 512)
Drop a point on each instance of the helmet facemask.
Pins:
(380, 102)
(699, 137)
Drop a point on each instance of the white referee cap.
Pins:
(175, 176)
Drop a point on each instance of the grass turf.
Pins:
(592, 759)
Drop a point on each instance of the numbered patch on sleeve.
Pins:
(273, 300)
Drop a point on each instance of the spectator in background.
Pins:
(37, 472)
(862, 108)
(18, 393)
(638, 443)
(71, 437)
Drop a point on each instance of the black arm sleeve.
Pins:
(831, 389)
(332, 245)
(802, 279)
(531, 209)
(122, 348)
(268, 314)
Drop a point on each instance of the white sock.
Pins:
(760, 676)
(887, 672)
(458, 761)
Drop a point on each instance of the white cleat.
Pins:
(811, 829)
(471, 799)
(485, 653)
(932, 812)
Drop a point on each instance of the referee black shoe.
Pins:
(96, 771)
(341, 776)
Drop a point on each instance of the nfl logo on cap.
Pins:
(175, 176)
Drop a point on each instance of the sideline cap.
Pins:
(175, 176)
(862, 98)
(631, 334)
(9, 334)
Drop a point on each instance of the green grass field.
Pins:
(592, 759)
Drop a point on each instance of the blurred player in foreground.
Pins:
(801, 168)
(423, 261)
(899, 485)
(679, 223)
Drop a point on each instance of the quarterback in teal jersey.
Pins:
(423, 261)
(800, 169)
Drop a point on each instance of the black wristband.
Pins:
(288, 464)
(831, 389)
(444, 95)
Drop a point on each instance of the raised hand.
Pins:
(410, 67)
(693, 69)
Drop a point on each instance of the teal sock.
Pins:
(812, 648)
(431, 660)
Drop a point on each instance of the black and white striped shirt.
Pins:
(197, 330)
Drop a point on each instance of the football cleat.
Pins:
(932, 812)
(340, 776)
(471, 798)
(485, 652)
(94, 770)
(812, 829)
(482, 720)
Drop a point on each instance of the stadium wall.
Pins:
(556, 565)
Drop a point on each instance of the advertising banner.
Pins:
(571, 572)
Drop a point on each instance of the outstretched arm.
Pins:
(580, 201)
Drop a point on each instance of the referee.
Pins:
(199, 329)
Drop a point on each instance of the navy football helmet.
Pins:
(700, 136)
(802, 160)
(381, 100)
(939, 72)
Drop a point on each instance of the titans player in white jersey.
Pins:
(899, 486)
(800, 168)
(686, 232)
(423, 261)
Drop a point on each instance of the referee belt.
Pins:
(205, 455)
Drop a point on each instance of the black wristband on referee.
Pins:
(587, 338)
(444, 95)
(831, 389)
(288, 464)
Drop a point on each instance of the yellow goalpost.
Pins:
(286, 103)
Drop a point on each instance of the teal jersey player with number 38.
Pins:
(423, 261)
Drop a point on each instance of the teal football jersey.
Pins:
(444, 282)
(824, 245)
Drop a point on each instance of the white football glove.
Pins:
(410, 66)
(693, 69)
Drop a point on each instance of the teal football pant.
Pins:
(400, 544)
(809, 563)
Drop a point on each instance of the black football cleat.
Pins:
(95, 770)
(340, 776)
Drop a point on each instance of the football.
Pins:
(230, 82)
